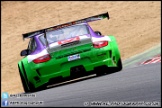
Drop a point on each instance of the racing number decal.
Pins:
(69, 40)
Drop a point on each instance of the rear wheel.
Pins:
(25, 87)
(119, 66)
(115, 69)
(108, 70)
(33, 89)
(29, 87)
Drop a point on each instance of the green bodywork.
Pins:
(59, 65)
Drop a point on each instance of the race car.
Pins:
(67, 50)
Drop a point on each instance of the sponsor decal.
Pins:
(75, 22)
(69, 40)
(61, 26)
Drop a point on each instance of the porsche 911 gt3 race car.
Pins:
(67, 50)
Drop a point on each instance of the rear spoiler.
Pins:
(89, 19)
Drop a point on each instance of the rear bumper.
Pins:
(66, 72)
(44, 72)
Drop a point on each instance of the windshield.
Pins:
(65, 33)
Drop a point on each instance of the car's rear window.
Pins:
(65, 33)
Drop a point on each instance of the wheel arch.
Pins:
(115, 48)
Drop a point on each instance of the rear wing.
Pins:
(89, 19)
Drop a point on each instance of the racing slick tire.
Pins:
(119, 66)
(108, 70)
(115, 69)
(29, 85)
(23, 82)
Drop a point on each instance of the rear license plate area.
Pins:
(73, 57)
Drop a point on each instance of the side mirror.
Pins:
(25, 52)
(98, 33)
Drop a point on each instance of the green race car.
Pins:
(65, 51)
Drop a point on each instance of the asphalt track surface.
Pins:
(136, 85)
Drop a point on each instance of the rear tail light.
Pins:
(42, 59)
(100, 44)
